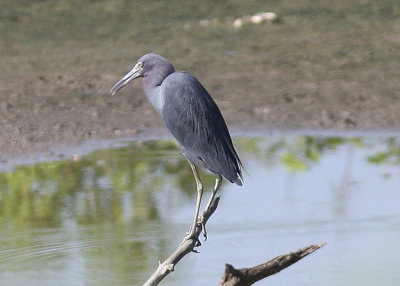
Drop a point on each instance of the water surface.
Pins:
(108, 218)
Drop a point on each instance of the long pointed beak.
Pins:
(134, 73)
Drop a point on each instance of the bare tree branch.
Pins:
(187, 246)
(248, 276)
(232, 276)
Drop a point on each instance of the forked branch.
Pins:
(232, 276)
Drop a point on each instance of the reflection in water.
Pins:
(110, 216)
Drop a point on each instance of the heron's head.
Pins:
(148, 65)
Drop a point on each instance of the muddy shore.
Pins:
(319, 67)
(54, 128)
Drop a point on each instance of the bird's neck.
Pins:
(150, 82)
(151, 87)
(155, 78)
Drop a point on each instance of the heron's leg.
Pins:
(218, 182)
(199, 186)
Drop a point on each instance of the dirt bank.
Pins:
(38, 124)
(322, 67)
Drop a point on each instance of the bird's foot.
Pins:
(203, 227)
(191, 234)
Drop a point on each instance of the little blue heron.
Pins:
(192, 117)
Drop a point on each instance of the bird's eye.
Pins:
(140, 64)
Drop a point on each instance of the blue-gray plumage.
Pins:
(192, 117)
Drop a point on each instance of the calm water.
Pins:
(107, 218)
